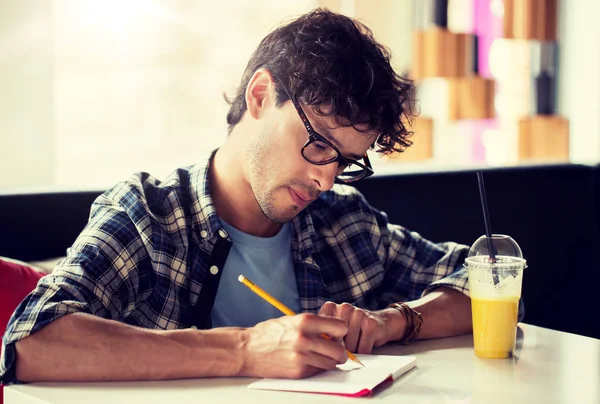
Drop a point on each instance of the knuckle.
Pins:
(346, 312)
(329, 308)
(362, 313)
(346, 308)
(304, 319)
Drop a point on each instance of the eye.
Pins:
(320, 146)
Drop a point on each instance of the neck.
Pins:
(232, 194)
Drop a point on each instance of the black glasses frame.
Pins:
(313, 135)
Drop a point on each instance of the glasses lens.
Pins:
(318, 152)
(351, 173)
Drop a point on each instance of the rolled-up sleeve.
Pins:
(420, 265)
(98, 276)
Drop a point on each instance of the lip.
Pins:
(298, 199)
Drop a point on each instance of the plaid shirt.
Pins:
(145, 253)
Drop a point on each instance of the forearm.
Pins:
(446, 312)
(82, 347)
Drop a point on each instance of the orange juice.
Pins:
(494, 326)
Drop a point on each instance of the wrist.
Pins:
(413, 321)
(395, 324)
(241, 341)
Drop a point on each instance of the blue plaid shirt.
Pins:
(144, 255)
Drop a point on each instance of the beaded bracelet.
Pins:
(414, 322)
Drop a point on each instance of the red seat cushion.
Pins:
(16, 281)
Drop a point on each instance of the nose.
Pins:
(324, 176)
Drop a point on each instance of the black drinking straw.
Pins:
(486, 216)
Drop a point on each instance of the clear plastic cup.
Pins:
(495, 289)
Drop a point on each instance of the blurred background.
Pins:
(94, 90)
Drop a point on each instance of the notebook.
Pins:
(349, 379)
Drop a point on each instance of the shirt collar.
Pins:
(205, 216)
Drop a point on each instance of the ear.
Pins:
(260, 92)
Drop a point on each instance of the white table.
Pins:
(549, 367)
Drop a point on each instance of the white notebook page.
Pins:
(349, 378)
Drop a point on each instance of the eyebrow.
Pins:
(326, 134)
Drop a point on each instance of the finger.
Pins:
(324, 347)
(342, 311)
(298, 366)
(328, 309)
(318, 361)
(351, 339)
(367, 335)
(311, 324)
(344, 358)
(345, 312)
(305, 371)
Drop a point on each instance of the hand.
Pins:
(293, 346)
(366, 329)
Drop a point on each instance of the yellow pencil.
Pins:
(284, 309)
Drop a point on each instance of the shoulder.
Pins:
(140, 211)
(142, 207)
(143, 193)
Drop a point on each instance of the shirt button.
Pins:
(214, 270)
(222, 233)
(203, 233)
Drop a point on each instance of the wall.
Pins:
(26, 94)
(93, 91)
(392, 25)
(138, 84)
(579, 71)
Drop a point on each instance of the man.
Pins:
(149, 289)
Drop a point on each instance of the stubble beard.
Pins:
(262, 175)
(268, 207)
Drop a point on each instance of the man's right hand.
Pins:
(293, 347)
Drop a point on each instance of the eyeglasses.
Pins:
(320, 151)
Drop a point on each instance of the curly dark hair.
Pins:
(332, 63)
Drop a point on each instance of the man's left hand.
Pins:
(366, 329)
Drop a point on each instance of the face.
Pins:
(283, 182)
